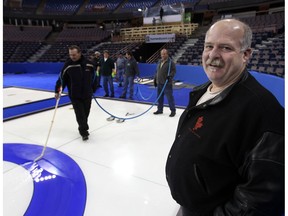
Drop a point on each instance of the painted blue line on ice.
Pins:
(31, 108)
(59, 184)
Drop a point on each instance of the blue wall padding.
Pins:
(273, 83)
(147, 70)
(185, 73)
(32, 67)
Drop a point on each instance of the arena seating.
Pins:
(24, 51)
(170, 2)
(268, 53)
(9, 48)
(268, 46)
(30, 3)
(116, 48)
(268, 40)
(25, 33)
(66, 7)
(267, 57)
(130, 4)
(22, 42)
(102, 5)
(265, 23)
(58, 52)
(214, 1)
(192, 55)
(84, 34)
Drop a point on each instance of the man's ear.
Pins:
(247, 54)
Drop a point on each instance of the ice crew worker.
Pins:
(96, 63)
(131, 71)
(107, 70)
(78, 75)
(165, 71)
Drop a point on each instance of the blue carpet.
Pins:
(39, 81)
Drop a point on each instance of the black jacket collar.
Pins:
(223, 94)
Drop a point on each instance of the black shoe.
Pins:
(85, 137)
(122, 96)
(172, 114)
(157, 112)
(106, 95)
(112, 95)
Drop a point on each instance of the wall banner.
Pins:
(163, 38)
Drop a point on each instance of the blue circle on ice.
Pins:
(59, 183)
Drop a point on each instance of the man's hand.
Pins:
(57, 96)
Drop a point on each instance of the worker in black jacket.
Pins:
(78, 75)
(96, 63)
(131, 71)
(107, 71)
(228, 155)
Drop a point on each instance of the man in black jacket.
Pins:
(78, 75)
(228, 155)
(107, 69)
(96, 63)
(131, 70)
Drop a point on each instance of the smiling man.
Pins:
(228, 155)
(225, 54)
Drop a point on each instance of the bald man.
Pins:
(228, 154)
(165, 73)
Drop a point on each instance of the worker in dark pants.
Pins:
(131, 71)
(166, 70)
(161, 13)
(96, 63)
(107, 70)
(78, 75)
